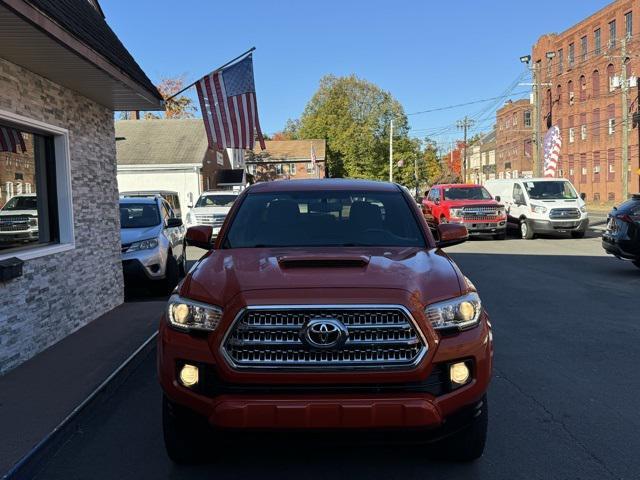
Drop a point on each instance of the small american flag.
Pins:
(314, 158)
(11, 140)
(552, 145)
(229, 108)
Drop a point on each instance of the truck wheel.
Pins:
(172, 274)
(526, 232)
(578, 234)
(184, 433)
(183, 260)
(468, 444)
(637, 263)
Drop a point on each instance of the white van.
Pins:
(541, 205)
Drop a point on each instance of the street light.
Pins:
(525, 59)
(551, 55)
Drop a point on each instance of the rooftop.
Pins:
(292, 150)
(164, 142)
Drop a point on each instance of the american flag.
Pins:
(314, 158)
(11, 140)
(552, 145)
(229, 108)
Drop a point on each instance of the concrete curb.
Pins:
(29, 465)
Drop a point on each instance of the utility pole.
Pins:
(464, 125)
(391, 153)
(625, 123)
(537, 161)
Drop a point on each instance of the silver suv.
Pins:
(153, 246)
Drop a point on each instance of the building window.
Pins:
(583, 88)
(310, 167)
(571, 93)
(583, 168)
(292, 168)
(560, 60)
(572, 55)
(559, 95)
(583, 48)
(611, 197)
(595, 80)
(572, 134)
(612, 126)
(611, 161)
(571, 171)
(611, 119)
(628, 22)
(612, 34)
(583, 132)
(596, 167)
(611, 75)
(219, 158)
(30, 208)
(596, 196)
(251, 168)
(279, 169)
(597, 35)
(527, 118)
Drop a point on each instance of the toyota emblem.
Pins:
(324, 333)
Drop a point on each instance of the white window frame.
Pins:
(292, 169)
(63, 186)
(612, 126)
(572, 135)
(279, 169)
(583, 132)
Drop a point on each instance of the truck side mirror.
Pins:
(200, 236)
(583, 196)
(498, 198)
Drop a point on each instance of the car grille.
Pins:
(564, 213)
(271, 337)
(14, 223)
(481, 213)
(210, 219)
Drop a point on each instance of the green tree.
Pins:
(354, 116)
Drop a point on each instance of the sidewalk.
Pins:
(36, 396)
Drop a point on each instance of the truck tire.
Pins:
(637, 263)
(468, 444)
(578, 233)
(172, 274)
(185, 433)
(183, 260)
(526, 232)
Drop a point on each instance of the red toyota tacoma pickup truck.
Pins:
(469, 204)
(325, 305)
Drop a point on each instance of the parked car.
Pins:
(622, 236)
(172, 198)
(325, 305)
(469, 204)
(211, 209)
(19, 220)
(542, 206)
(153, 246)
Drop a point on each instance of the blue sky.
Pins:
(427, 53)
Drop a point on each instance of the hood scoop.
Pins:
(323, 261)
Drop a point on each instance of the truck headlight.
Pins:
(143, 245)
(33, 222)
(502, 212)
(456, 212)
(185, 314)
(538, 209)
(461, 312)
(583, 209)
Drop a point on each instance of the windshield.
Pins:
(139, 215)
(317, 218)
(561, 190)
(466, 193)
(21, 203)
(216, 200)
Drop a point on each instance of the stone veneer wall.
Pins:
(60, 293)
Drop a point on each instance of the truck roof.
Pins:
(334, 184)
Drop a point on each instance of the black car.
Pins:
(622, 237)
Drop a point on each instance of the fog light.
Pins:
(189, 375)
(459, 373)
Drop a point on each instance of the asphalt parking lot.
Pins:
(563, 401)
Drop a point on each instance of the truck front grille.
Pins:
(209, 219)
(487, 214)
(564, 214)
(274, 337)
(14, 223)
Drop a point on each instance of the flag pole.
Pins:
(219, 68)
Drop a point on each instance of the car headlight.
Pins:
(461, 312)
(583, 209)
(456, 212)
(185, 314)
(502, 212)
(538, 209)
(143, 245)
(33, 222)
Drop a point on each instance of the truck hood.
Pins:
(130, 235)
(428, 275)
(18, 213)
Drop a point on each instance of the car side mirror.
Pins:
(498, 198)
(174, 222)
(436, 201)
(426, 194)
(200, 236)
(190, 205)
(451, 234)
(583, 196)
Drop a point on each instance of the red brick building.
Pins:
(584, 98)
(17, 171)
(514, 129)
(287, 159)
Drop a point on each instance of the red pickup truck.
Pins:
(468, 204)
(325, 305)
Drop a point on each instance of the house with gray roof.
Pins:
(169, 155)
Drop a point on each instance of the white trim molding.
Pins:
(63, 183)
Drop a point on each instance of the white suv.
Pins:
(211, 209)
(19, 220)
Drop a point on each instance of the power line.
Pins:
(450, 107)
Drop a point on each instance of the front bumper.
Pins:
(559, 226)
(145, 264)
(18, 237)
(486, 228)
(333, 400)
